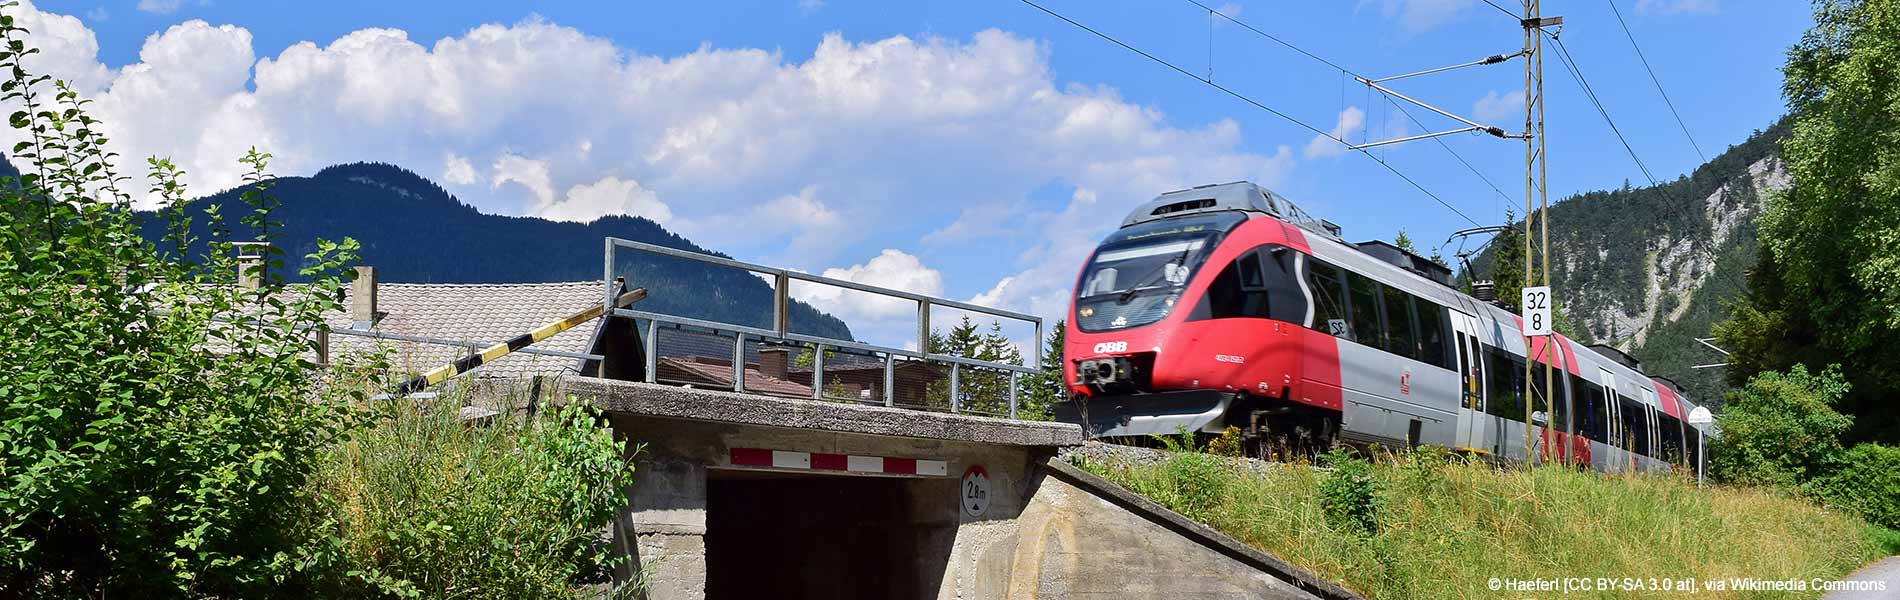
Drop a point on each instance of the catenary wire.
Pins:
(1670, 203)
(1657, 81)
(1342, 93)
(1256, 104)
(1343, 70)
(1503, 10)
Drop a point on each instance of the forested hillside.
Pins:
(414, 231)
(1649, 269)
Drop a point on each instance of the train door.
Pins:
(1613, 412)
(1471, 416)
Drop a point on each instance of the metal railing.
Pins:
(780, 331)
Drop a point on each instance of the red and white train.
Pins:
(1226, 305)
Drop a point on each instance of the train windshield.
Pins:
(1139, 272)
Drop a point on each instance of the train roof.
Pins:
(1237, 196)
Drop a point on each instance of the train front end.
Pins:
(1186, 317)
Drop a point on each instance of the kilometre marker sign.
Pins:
(1535, 305)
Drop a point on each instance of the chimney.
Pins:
(776, 362)
(363, 299)
(251, 257)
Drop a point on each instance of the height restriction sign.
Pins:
(1536, 311)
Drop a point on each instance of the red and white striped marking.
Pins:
(847, 463)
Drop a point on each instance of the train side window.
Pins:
(1329, 298)
(1249, 287)
(1285, 303)
(1254, 300)
(1551, 401)
(1506, 385)
(1400, 338)
(1635, 426)
(1588, 409)
(1431, 332)
(1251, 278)
(1364, 304)
(1226, 295)
(1552, 397)
(1671, 438)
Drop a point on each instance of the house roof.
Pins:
(478, 313)
(717, 373)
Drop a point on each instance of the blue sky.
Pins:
(970, 149)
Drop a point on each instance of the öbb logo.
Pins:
(1405, 383)
(1107, 347)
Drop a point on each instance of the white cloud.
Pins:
(609, 196)
(160, 7)
(788, 160)
(98, 13)
(67, 49)
(892, 269)
(1499, 109)
(457, 170)
(810, 6)
(1350, 121)
(1671, 7)
(528, 173)
(1415, 16)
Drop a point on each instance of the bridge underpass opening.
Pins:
(792, 536)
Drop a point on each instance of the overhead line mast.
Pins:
(1535, 161)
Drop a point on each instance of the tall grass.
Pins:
(429, 505)
(1445, 527)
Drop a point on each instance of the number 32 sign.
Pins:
(1536, 311)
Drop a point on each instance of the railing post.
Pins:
(955, 403)
(818, 371)
(652, 351)
(890, 379)
(781, 303)
(1035, 348)
(738, 362)
(923, 327)
(1012, 394)
(607, 277)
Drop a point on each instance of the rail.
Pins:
(780, 330)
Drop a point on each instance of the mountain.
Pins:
(413, 231)
(1650, 269)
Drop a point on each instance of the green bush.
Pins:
(1780, 429)
(1866, 480)
(147, 447)
(1349, 494)
(515, 509)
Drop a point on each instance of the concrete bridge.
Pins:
(749, 496)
